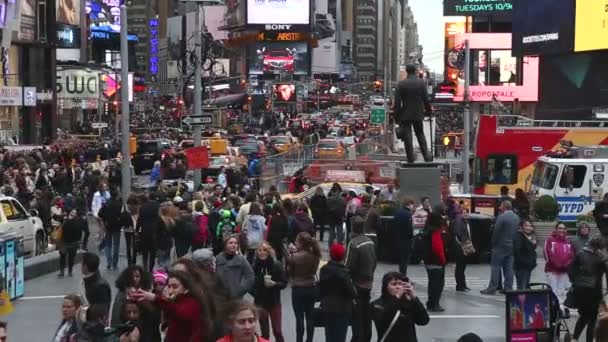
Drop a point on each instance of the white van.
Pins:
(14, 219)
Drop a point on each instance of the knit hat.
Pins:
(337, 252)
(160, 276)
(470, 337)
(203, 257)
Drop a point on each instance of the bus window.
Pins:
(573, 175)
(501, 169)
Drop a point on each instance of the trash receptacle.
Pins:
(480, 227)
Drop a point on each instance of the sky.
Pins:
(429, 16)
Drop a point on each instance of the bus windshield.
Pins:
(545, 175)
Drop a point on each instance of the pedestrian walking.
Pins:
(521, 205)
(130, 279)
(302, 265)
(405, 232)
(111, 214)
(277, 231)
(460, 228)
(585, 273)
(583, 235)
(337, 293)
(129, 224)
(148, 225)
(242, 323)
(398, 310)
(234, 269)
(166, 231)
(270, 279)
(558, 254)
(434, 257)
(318, 206)
(524, 254)
(336, 210)
(361, 261)
(254, 229)
(96, 289)
(71, 235)
(505, 228)
(68, 327)
(600, 213)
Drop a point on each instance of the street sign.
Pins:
(98, 125)
(197, 120)
(378, 115)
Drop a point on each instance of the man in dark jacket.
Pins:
(111, 214)
(336, 208)
(461, 230)
(96, 288)
(147, 228)
(411, 104)
(361, 261)
(405, 232)
(318, 206)
(600, 213)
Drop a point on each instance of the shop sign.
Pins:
(11, 96)
(29, 96)
(77, 84)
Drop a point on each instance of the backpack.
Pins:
(202, 223)
(559, 254)
(225, 228)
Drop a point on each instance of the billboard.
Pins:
(499, 78)
(104, 14)
(263, 12)
(543, 27)
(27, 27)
(325, 58)
(572, 85)
(284, 92)
(68, 12)
(591, 25)
(278, 57)
(477, 7)
(68, 37)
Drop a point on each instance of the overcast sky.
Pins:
(429, 16)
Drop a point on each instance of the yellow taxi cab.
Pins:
(330, 149)
(282, 143)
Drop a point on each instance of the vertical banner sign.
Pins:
(197, 157)
(153, 46)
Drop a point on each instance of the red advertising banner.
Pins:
(198, 157)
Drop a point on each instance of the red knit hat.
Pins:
(337, 252)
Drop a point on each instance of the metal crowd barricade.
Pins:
(277, 168)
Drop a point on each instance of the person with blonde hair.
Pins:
(270, 279)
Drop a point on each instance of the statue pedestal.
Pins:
(418, 180)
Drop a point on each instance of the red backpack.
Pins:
(202, 235)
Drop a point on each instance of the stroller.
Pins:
(542, 300)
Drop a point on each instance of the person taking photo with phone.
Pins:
(397, 312)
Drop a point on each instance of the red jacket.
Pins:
(438, 248)
(184, 318)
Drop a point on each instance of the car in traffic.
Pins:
(278, 60)
(149, 151)
(15, 220)
(330, 149)
(282, 143)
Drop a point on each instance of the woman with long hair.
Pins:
(435, 260)
(68, 328)
(242, 322)
(524, 254)
(132, 278)
(167, 213)
(182, 303)
(585, 274)
(277, 231)
(269, 281)
(302, 264)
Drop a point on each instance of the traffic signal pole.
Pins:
(198, 88)
(466, 156)
(125, 165)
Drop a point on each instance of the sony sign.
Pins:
(278, 27)
(77, 84)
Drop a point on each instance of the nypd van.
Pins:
(577, 177)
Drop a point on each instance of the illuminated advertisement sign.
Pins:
(68, 37)
(477, 7)
(285, 14)
(279, 57)
(454, 61)
(104, 15)
(543, 27)
(494, 58)
(284, 92)
(591, 25)
(154, 46)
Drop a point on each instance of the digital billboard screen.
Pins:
(284, 92)
(543, 27)
(477, 7)
(591, 25)
(68, 12)
(262, 12)
(279, 57)
(571, 86)
(104, 14)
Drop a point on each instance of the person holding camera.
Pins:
(397, 312)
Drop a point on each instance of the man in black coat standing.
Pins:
(411, 105)
(96, 288)
(147, 228)
(405, 232)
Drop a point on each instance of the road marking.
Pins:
(41, 297)
(464, 316)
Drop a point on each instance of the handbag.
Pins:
(468, 248)
(390, 327)
(57, 234)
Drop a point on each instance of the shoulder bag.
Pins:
(390, 327)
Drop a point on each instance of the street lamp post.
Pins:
(198, 87)
(124, 92)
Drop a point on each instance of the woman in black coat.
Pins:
(398, 300)
(277, 232)
(585, 273)
(524, 254)
(270, 279)
(72, 231)
(337, 293)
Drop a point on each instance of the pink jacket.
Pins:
(559, 253)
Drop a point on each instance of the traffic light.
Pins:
(378, 86)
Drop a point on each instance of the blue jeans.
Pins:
(112, 246)
(303, 301)
(522, 278)
(336, 329)
(501, 261)
(335, 233)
